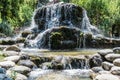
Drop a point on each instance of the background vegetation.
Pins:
(102, 13)
(17, 13)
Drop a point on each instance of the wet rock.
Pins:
(105, 52)
(61, 62)
(4, 77)
(16, 76)
(46, 65)
(97, 69)
(25, 33)
(7, 42)
(95, 60)
(57, 66)
(20, 40)
(104, 72)
(115, 70)
(7, 64)
(116, 49)
(106, 77)
(27, 63)
(10, 53)
(112, 57)
(13, 48)
(12, 58)
(107, 65)
(116, 62)
(24, 57)
(21, 69)
(58, 59)
(33, 75)
(2, 70)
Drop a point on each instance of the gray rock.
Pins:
(16, 75)
(12, 48)
(21, 69)
(112, 57)
(4, 77)
(116, 62)
(97, 69)
(10, 53)
(95, 60)
(115, 70)
(37, 73)
(105, 52)
(106, 77)
(27, 63)
(107, 65)
(2, 70)
(104, 72)
(7, 64)
(116, 49)
(12, 58)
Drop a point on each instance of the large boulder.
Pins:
(116, 62)
(105, 52)
(10, 53)
(21, 69)
(106, 77)
(12, 48)
(15, 75)
(27, 63)
(7, 64)
(44, 19)
(115, 70)
(12, 58)
(95, 60)
(116, 49)
(107, 65)
(112, 57)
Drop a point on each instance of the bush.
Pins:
(5, 28)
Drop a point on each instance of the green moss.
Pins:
(1, 56)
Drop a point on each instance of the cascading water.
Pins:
(46, 18)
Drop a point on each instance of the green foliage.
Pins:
(5, 28)
(16, 12)
(102, 13)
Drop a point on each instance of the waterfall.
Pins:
(46, 18)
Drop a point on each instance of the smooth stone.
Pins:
(115, 70)
(10, 53)
(27, 63)
(12, 48)
(116, 62)
(37, 73)
(112, 57)
(16, 75)
(2, 70)
(116, 49)
(104, 72)
(97, 69)
(7, 64)
(21, 69)
(58, 59)
(46, 65)
(106, 77)
(12, 58)
(107, 65)
(4, 77)
(105, 52)
(95, 60)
